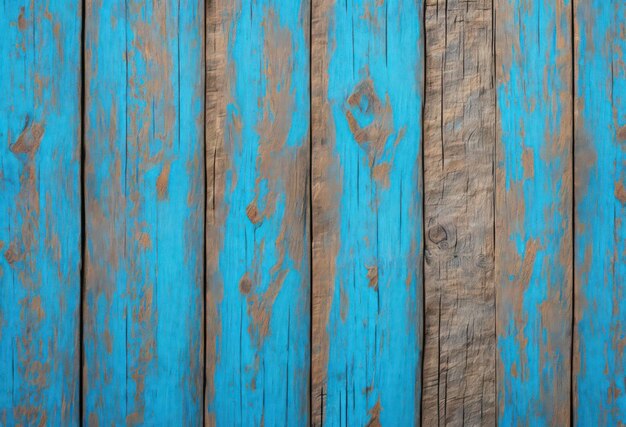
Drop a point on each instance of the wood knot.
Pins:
(29, 140)
(370, 121)
(252, 212)
(245, 284)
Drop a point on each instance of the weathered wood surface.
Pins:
(367, 83)
(600, 194)
(144, 210)
(534, 211)
(40, 220)
(258, 269)
(459, 145)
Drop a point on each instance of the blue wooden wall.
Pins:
(213, 212)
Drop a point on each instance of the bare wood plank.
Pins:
(258, 270)
(600, 194)
(459, 145)
(40, 210)
(534, 189)
(144, 198)
(367, 212)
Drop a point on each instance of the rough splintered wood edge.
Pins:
(40, 221)
(144, 193)
(600, 166)
(534, 183)
(258, 263)
(459, 146)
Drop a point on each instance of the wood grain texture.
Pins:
(600, 167)
(367, 84)
(258, 157)
(144, 207)
(39, 212)
(534, 211)
(459, 146)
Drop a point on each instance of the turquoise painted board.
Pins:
(144, 212)
(600, 188)
(258, 271)
(533, 211)
(40, 212)
(368, 66)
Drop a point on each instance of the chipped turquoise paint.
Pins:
(375, 333)
(263, 377)
(600, 392)
(534, 115)
(39, 212)
(144, 247)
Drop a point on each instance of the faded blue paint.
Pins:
(39, 212)
(534, 117)
(263, 378)
(600, 392)
(144, 254)
(375, 334)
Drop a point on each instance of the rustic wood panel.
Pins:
(600, 194)
(459, 145)
(258, 269)
(144, 206)
(534, 211)
(367, 83)
(39, 212)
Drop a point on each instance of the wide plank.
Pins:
(144, 207)
(459, 146)
(258, 263)
(367, 88)
(599, 392)
(40, 212)
(534, 189)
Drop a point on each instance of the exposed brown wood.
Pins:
(325, 206)
(459, 125)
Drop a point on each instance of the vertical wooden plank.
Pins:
(534, 211)
(600, 194)
(258, 272)
(367, 199)
(459, 146)
(40, 210)
(144, 191)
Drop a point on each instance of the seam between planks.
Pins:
(423, 178)
(573, 177)
(495, 198)
(310, 217)
(204, 217)
(83, 237)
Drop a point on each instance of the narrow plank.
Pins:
(534, 211)
(600, 182)
(258, 269)
(144, 196)
(40, 212)
(367, 212)
(459, 146)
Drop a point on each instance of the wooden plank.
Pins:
(534, 211)
(367, 83)
(144, 202)
(258, 270)
(459, 145)
(40, 207)
(600, 181)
